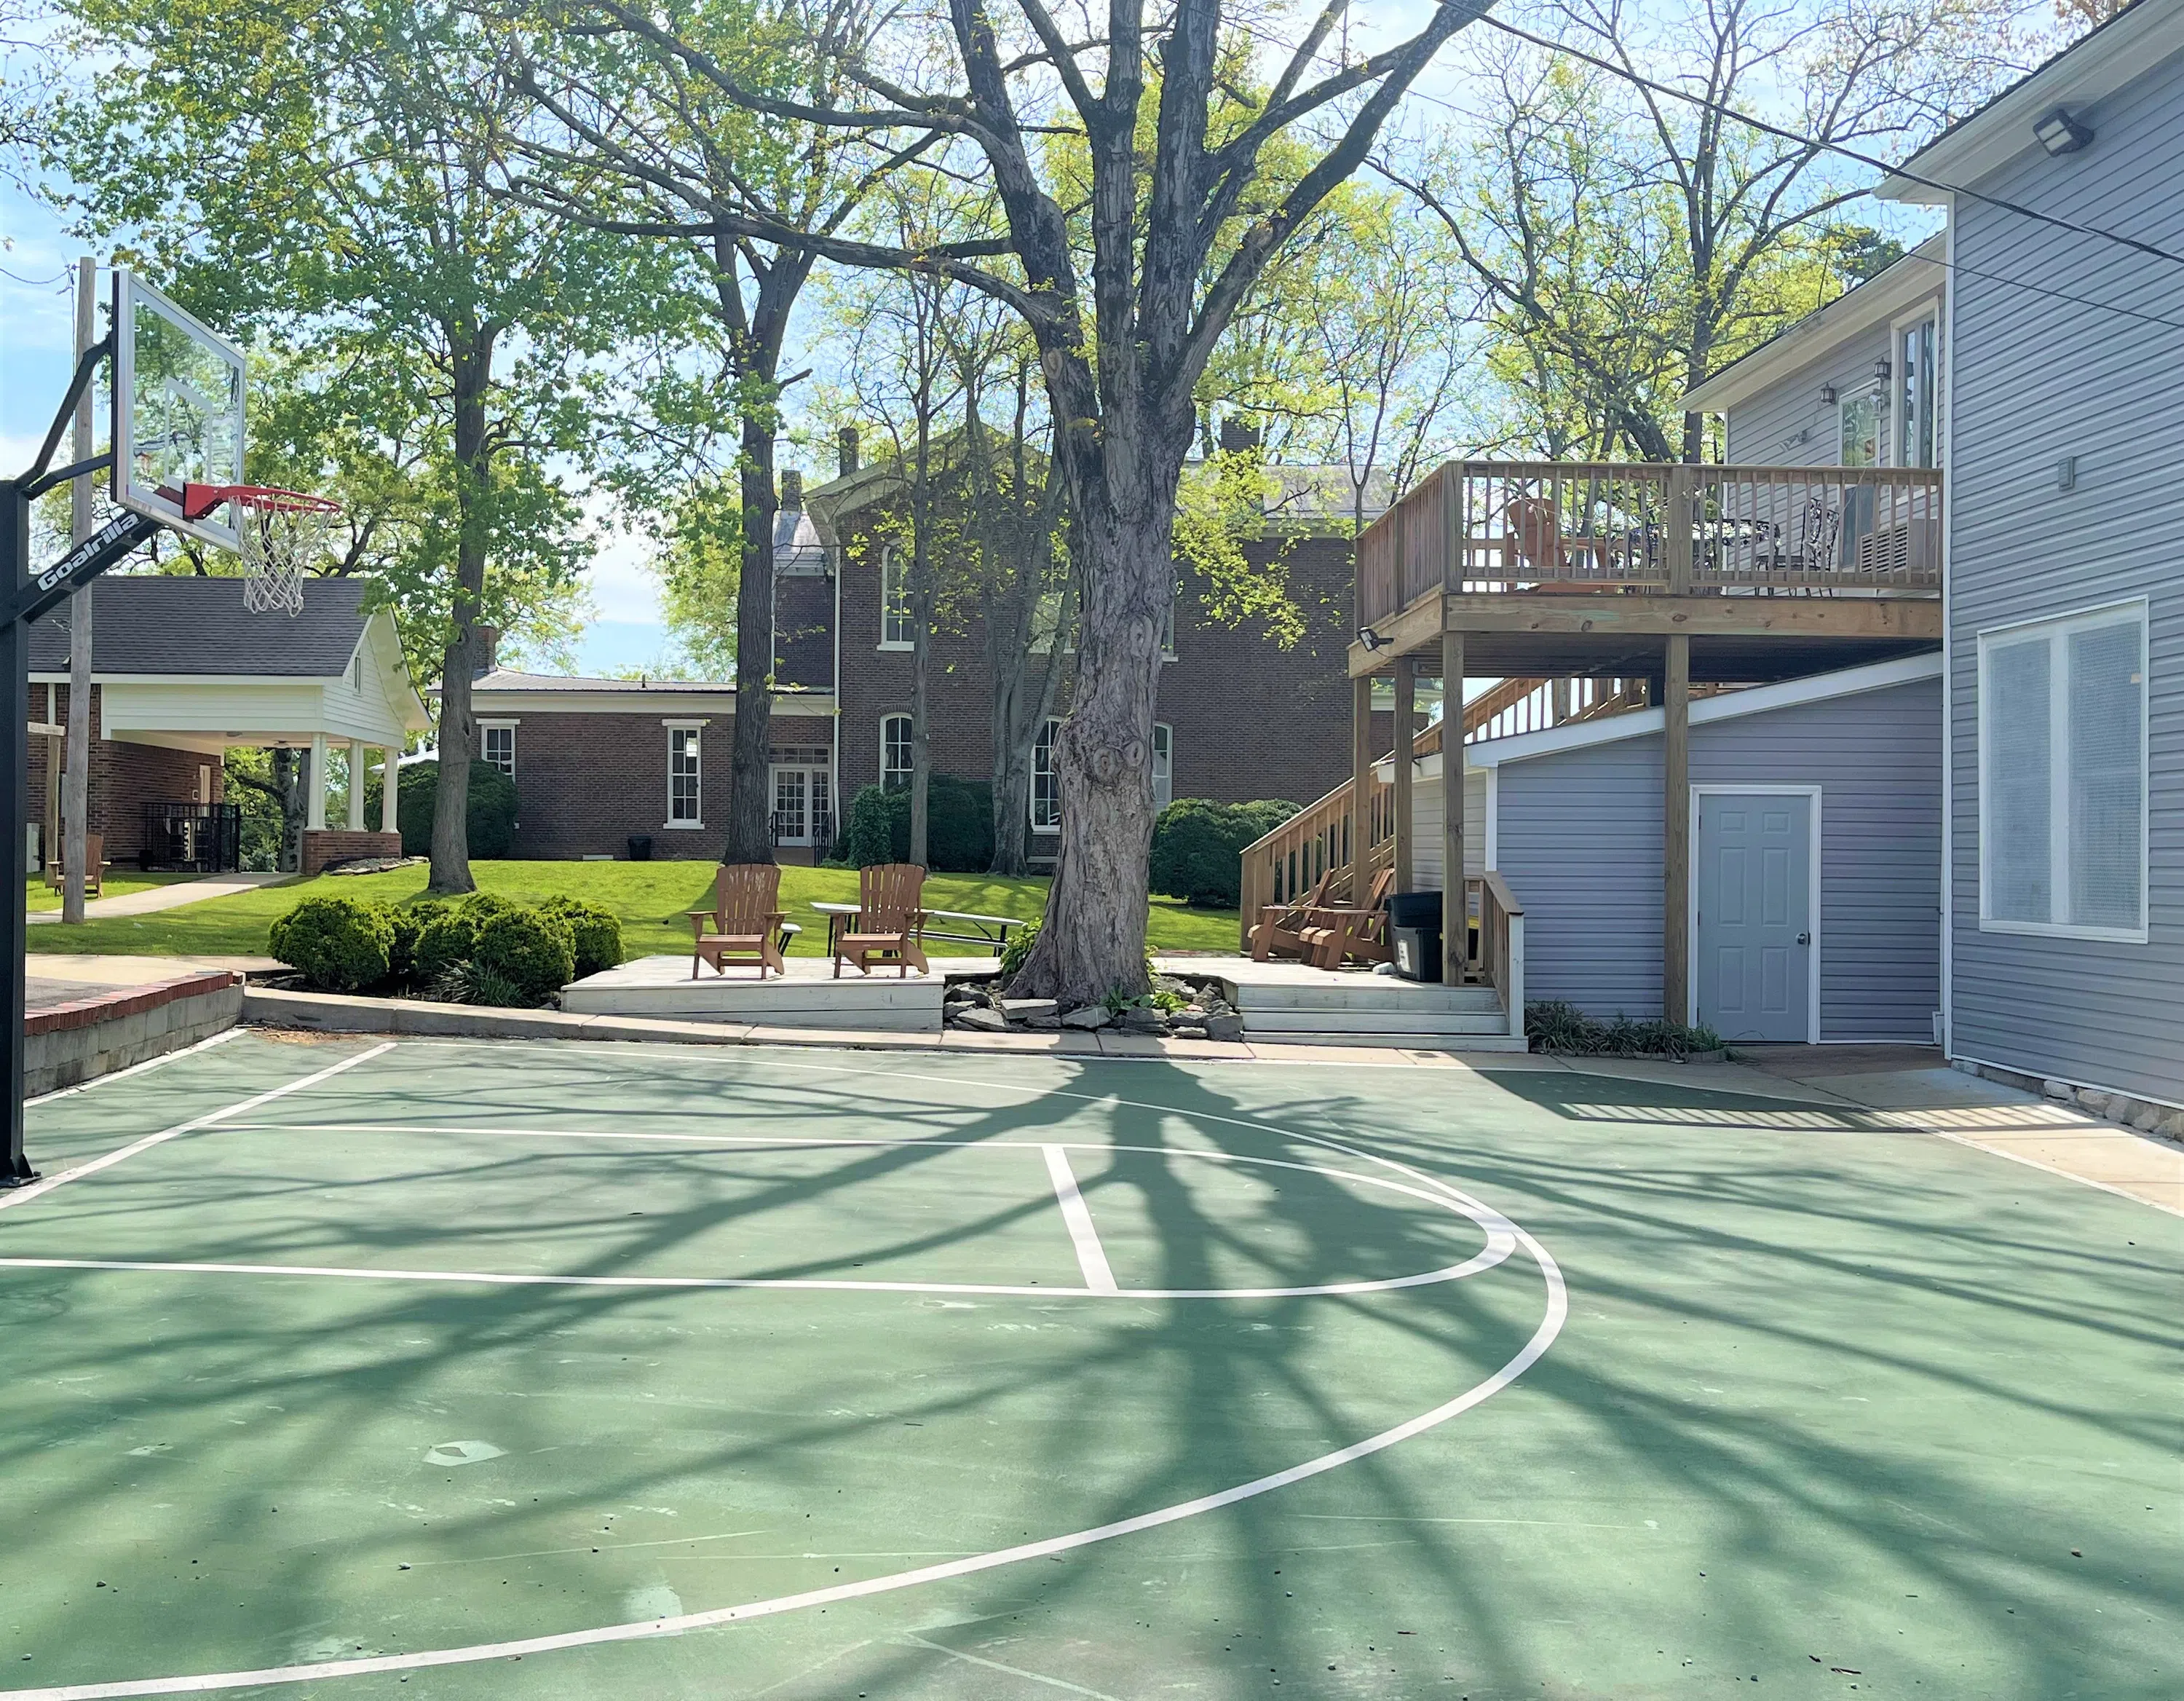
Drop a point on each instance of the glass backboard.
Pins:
(178, 420)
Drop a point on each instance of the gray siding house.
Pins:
(1816, 833)
(2064, 565)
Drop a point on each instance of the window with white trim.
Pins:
(1167, 623)
(896, 632)
(497, 741)
(1862, 430)
(683, 798)
(895, 748)
(1045, 795)
(1163, 765)
(2063, 775)
(1918, 399)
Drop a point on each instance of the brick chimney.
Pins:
(845, 443)
(792, 491)
(487, 654)
(1238, 434)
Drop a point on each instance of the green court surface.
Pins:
(357, 1370)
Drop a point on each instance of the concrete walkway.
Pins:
(153, 898)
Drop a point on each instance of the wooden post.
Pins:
(1360, 782)
(1559, 697)
(1406, 714)
(1454, 950)
(1675, 832)
(1679, 520)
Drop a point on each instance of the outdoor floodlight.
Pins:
(1371, 640)
(2060, 133)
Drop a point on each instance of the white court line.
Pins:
(1501, 1239)
(164, 1057)
(1551, 1326)
(22, 1196)
(1091, 1256)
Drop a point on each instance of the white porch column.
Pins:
(356, 785)
(389, 765)
(314, 810)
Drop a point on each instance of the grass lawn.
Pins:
(650, 897)
(40, 896)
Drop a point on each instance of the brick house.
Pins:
(600, 765)
(181, 672)
(1239, 716)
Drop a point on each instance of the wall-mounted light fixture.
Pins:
(1882, 369)
(1371, 640)
(2060, 133)
(1827, 395)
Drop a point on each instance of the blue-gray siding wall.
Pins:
(2035, 379)
(1577, 837)
(1787, 425)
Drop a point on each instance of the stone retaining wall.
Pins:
(69, 1043)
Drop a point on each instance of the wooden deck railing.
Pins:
(1497, 957)
(1504, 526)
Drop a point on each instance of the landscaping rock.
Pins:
(2089, 1100)
(1090, 1017)
(2171, 1126)
(2149, 1117)
(1187, 1030)
(1141, 1018)
(1043, 1024)
(2061, 1090)
(1024, 1009)
(983, 1021)
(1228, 1027)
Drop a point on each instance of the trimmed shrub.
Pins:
(450, 936)
(340, 944)
(534, 952)
(408, 923)
(959, 826)
(1197, 845)
(491, 816)
(1554, 1024)
(595, 930)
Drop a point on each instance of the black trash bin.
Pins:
(1414, 932)
(640, 847)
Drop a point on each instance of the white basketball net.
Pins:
(283, 534)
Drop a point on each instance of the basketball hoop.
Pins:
(282, 532)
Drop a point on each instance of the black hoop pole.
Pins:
(16, 1169)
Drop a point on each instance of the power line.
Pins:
(1877, 164)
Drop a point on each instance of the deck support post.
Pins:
(1676, 831)
(1405, 827)
(1455, 941)
(1360, 782)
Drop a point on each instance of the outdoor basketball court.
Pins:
(361, 1371)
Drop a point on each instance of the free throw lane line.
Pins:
(23, 1196)
(1091, 1256)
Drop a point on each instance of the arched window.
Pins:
(1163, 765)
(895, 750)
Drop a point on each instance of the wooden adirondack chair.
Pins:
(1336, 933)
(94, 868)
(744, 924)
(1279, 927)
(890, 920)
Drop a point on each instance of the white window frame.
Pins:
(674, 730)
(1878, 397)
(485, 743)
(1929, 313)
(1163, 764)
(909, 746)
(1167, 623)
(1046, 735)
(2058, 628)
(896, 632)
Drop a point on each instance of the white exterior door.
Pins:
(1754, 933)
(794, 796)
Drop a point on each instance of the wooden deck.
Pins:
(808, 996)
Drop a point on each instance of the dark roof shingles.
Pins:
(147, 623)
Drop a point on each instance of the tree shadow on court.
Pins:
(1879, 1278)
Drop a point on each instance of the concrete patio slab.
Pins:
(156, 898)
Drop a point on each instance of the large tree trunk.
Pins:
(1093, 942)
(451, 798)
(751, 806)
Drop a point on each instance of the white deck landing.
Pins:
(1295, 1003)
(808, 997)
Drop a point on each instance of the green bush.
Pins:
(449, 936)
(340, 944)
(1017, 950)
(959, 826)
(468, 984)
(1198, 845)
(595, 928)
(408, 922)
(491, 816)
(533, 951)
